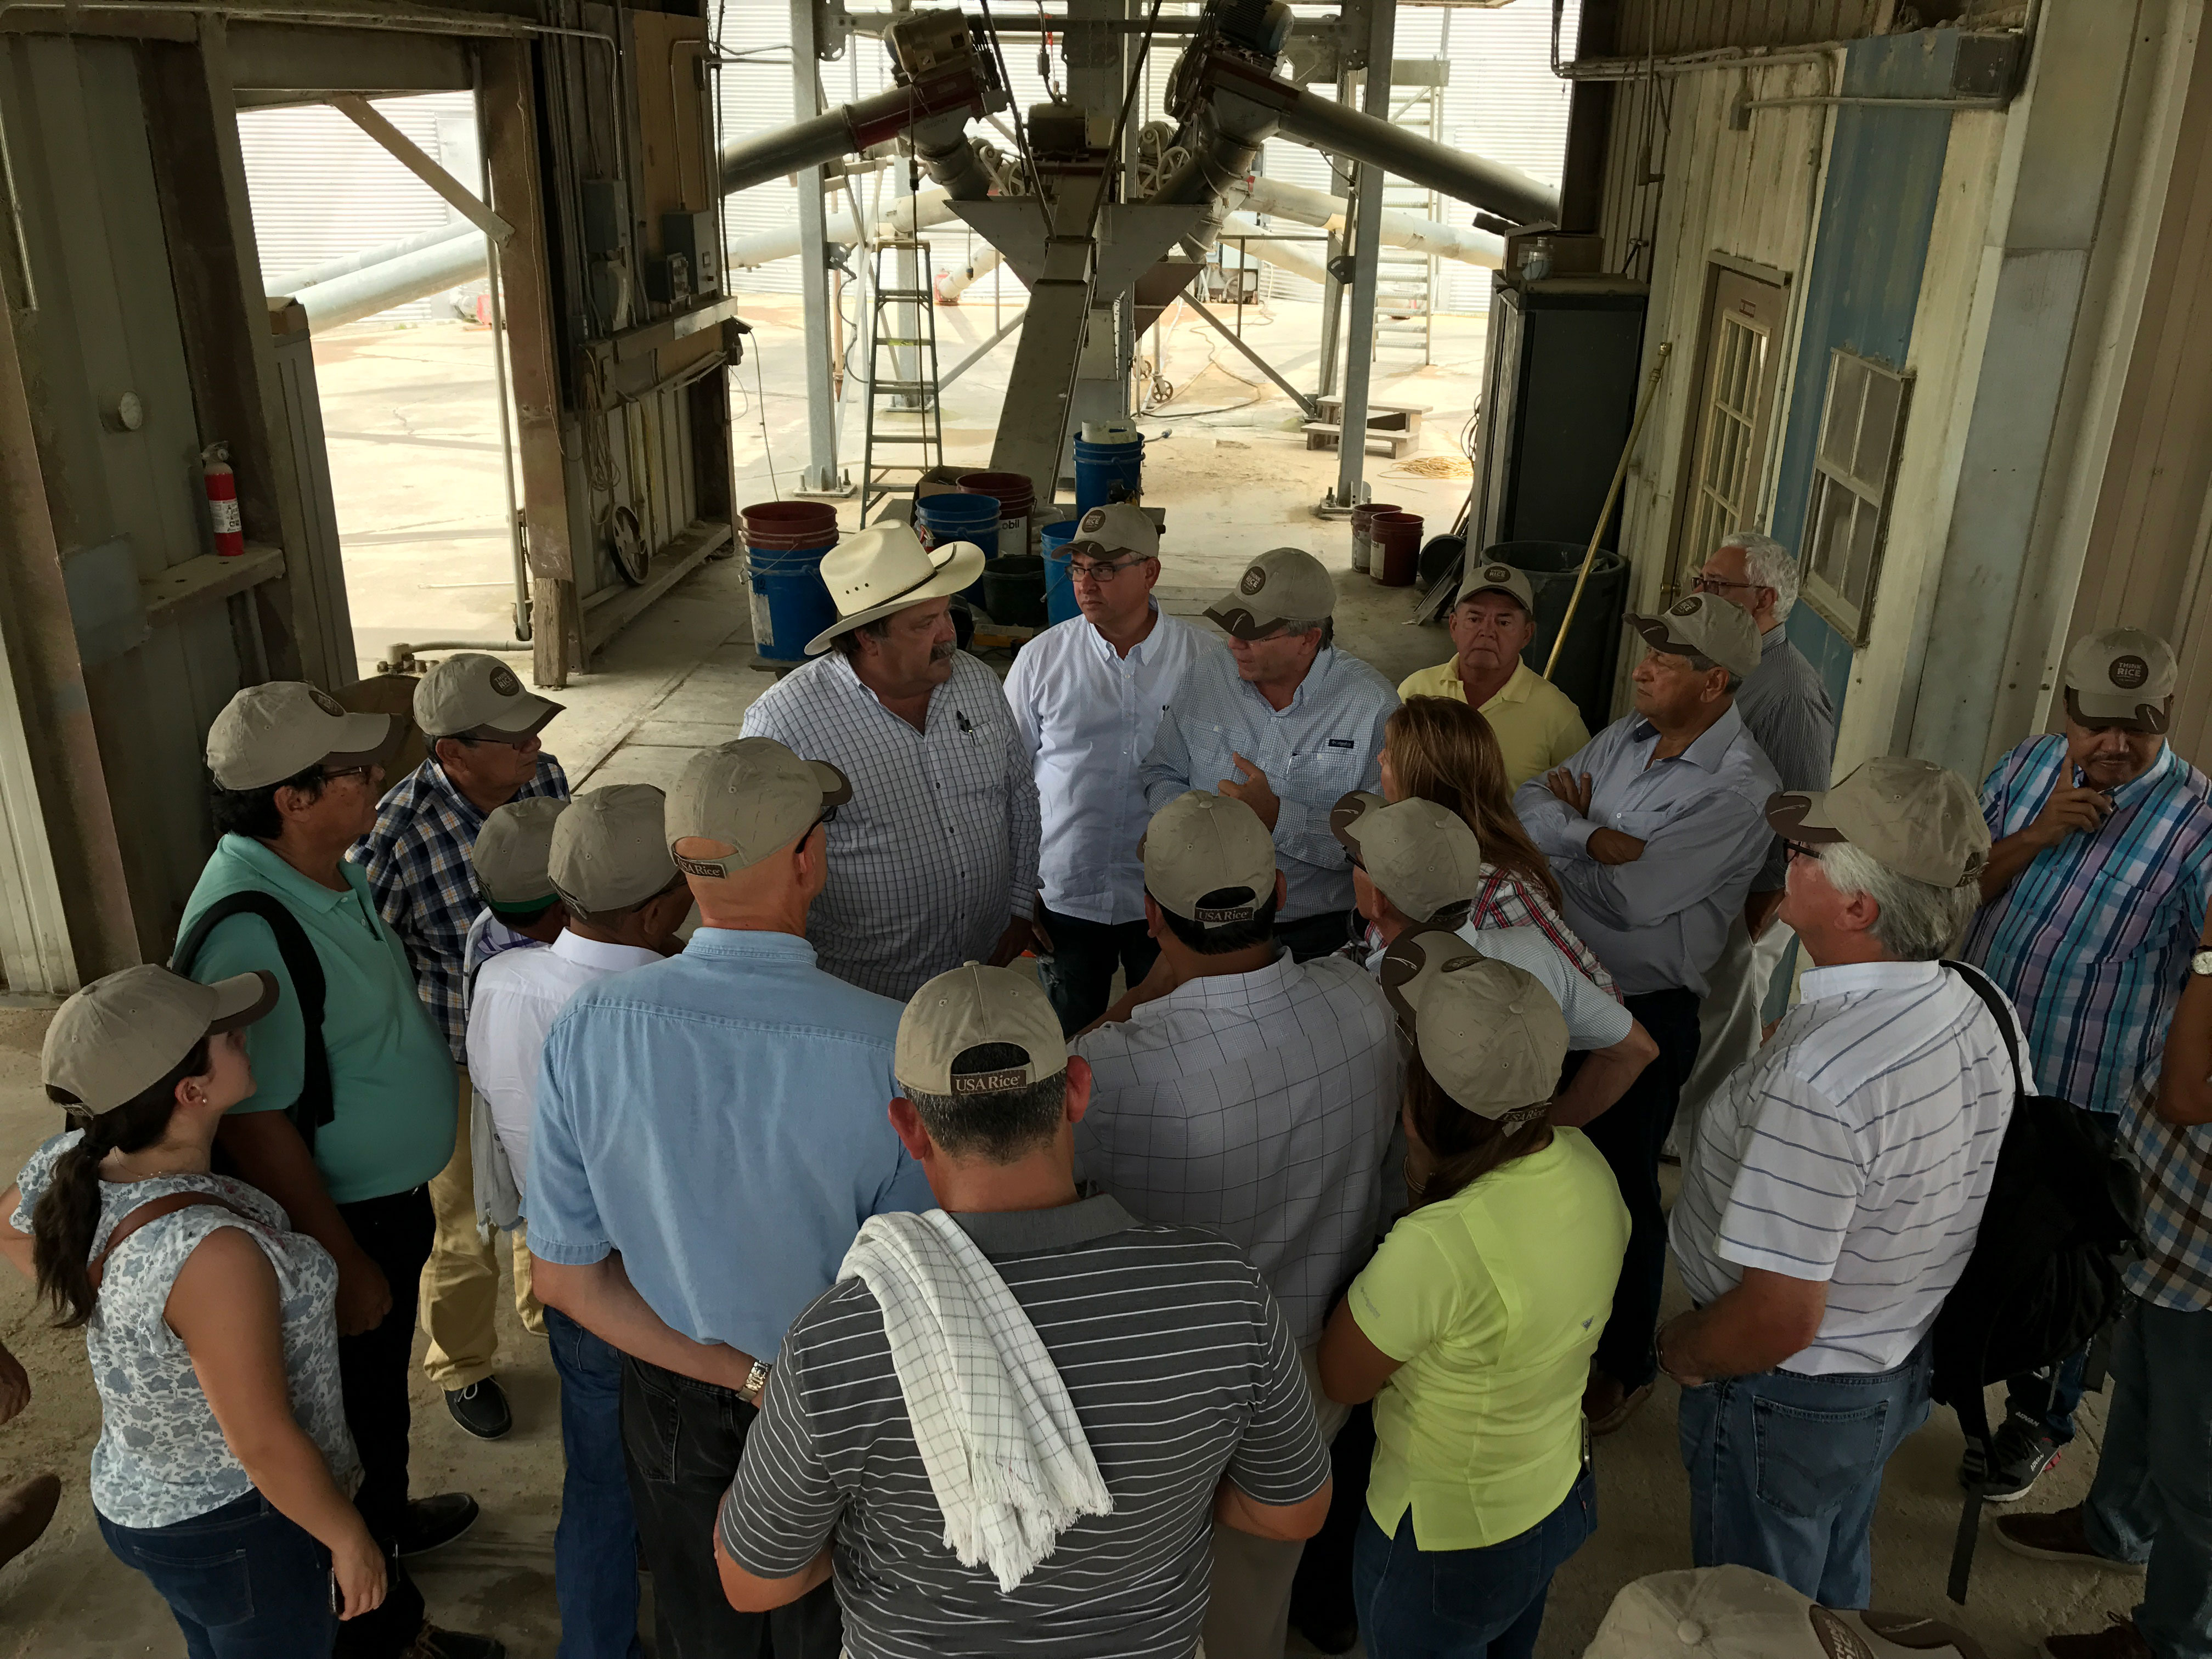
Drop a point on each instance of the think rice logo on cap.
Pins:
(1498, 573)
(1684, 608)
(503, 681)
(1092, 519)
(326, 702)
(1254, 579)
(1837, 1639)
(2129, 673)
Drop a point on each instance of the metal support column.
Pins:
(822, 476)
(1332, 291)
(1366, 254)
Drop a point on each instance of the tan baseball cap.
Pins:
(965, 1009)
(1423, 857)
(610, 849)
(1117, 527)
(1498, 578)
(1734, 1613)
(2121, 676)
(1201, 843)
(1912, 816)
(510, 851)
(474, 696)
(120, 1035)
(1487, 1031)
(1703, 626)
(271, 732)
(753, 795)
(1282, 585)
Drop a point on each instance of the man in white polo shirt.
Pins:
(1416, 864)
(623, 896)
(1087, 695)
(1256, 1097)
(1832, 1194)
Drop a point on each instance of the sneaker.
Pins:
(2022, 1452)
(27, 1509)
(481, 1408)
(434, 1522)
(2118, 1640)
(2058, 1536)
(431, 1643)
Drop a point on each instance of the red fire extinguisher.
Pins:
(223, 501)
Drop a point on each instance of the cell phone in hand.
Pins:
(337, 1596)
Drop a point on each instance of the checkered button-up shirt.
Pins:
(1260, 1105)
(2176, 1164)
(2092, 941)
(937, 850)
(1508, 900)
(417, 862)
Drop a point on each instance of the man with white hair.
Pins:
(1836, 1185)
(1788, 712)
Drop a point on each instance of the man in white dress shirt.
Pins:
(1416, 865)
(934, 862)
(624, 898)
(1087, 696)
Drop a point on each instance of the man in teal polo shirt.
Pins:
(296, 783)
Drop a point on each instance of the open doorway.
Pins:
(418, 442)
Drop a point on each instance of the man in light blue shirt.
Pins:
(1286, 723)
(1656, 831)
(711, 1132)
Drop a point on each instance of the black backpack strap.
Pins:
(312, 1110)
(1993, 999)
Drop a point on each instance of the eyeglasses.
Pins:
(1701, 583)
(332, 775)
(1090, 570)
(828, 813)
(1798, 849)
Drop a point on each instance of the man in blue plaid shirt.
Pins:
(482, 726)
(2151, 1501)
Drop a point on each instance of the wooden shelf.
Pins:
(207, 579)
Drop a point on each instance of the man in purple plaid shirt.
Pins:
(483, 728)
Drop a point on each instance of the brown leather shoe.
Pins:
(2118, 1640)
(1608, 1404)
(27, 1509)
(2058, 1536)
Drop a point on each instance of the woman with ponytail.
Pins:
(1472, 1328)
(223, 1467)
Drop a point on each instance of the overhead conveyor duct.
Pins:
(1302, 205)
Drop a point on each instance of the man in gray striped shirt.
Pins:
(1832, 1194)
(1178, 1363)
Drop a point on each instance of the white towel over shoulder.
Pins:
(1008, 1462)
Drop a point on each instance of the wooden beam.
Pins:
(509, 102)
(405, 151)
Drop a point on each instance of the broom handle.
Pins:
(1612, 494)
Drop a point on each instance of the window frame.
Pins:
(1851, 614)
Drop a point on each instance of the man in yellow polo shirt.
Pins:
(1492, 622)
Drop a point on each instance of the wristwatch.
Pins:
(2201, 963)
(756, 1381)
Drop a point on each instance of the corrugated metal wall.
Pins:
(322, 187)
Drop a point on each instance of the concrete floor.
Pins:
(414, 441)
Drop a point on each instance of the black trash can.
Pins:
(1586, 667)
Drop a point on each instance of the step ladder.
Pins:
(904, 418)
(1406, 282)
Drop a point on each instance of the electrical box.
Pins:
(692, 237)
(668, 280)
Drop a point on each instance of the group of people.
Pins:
(913, 1292)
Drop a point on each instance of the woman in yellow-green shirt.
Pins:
(1472, 1329)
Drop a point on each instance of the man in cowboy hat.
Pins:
(934, 861)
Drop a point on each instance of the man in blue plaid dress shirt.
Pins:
(483, 728)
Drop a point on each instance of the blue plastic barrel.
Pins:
(960, 515)
(790, 604)
(1108, 472)
(1059, 587)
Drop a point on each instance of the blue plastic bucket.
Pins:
(1059, 588)
(1107, 472)
(959, 515)
(790, 604)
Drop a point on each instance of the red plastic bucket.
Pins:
(1395, 538)
(1362, 541)
(1016, 496)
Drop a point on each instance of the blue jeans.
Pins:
(243, 1582)
(1079, 975)
(2152, 1500)
(1784, 1470)
(1463, 1604)
(595, 1546)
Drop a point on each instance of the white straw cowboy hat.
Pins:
(887, 568)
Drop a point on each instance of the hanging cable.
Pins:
(1021, 127)
(1122, 120)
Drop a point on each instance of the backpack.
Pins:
(2044, 1276)
(313, 1109)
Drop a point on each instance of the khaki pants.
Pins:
(1730, 1019)
(460, 1282)
(1248, 1611)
